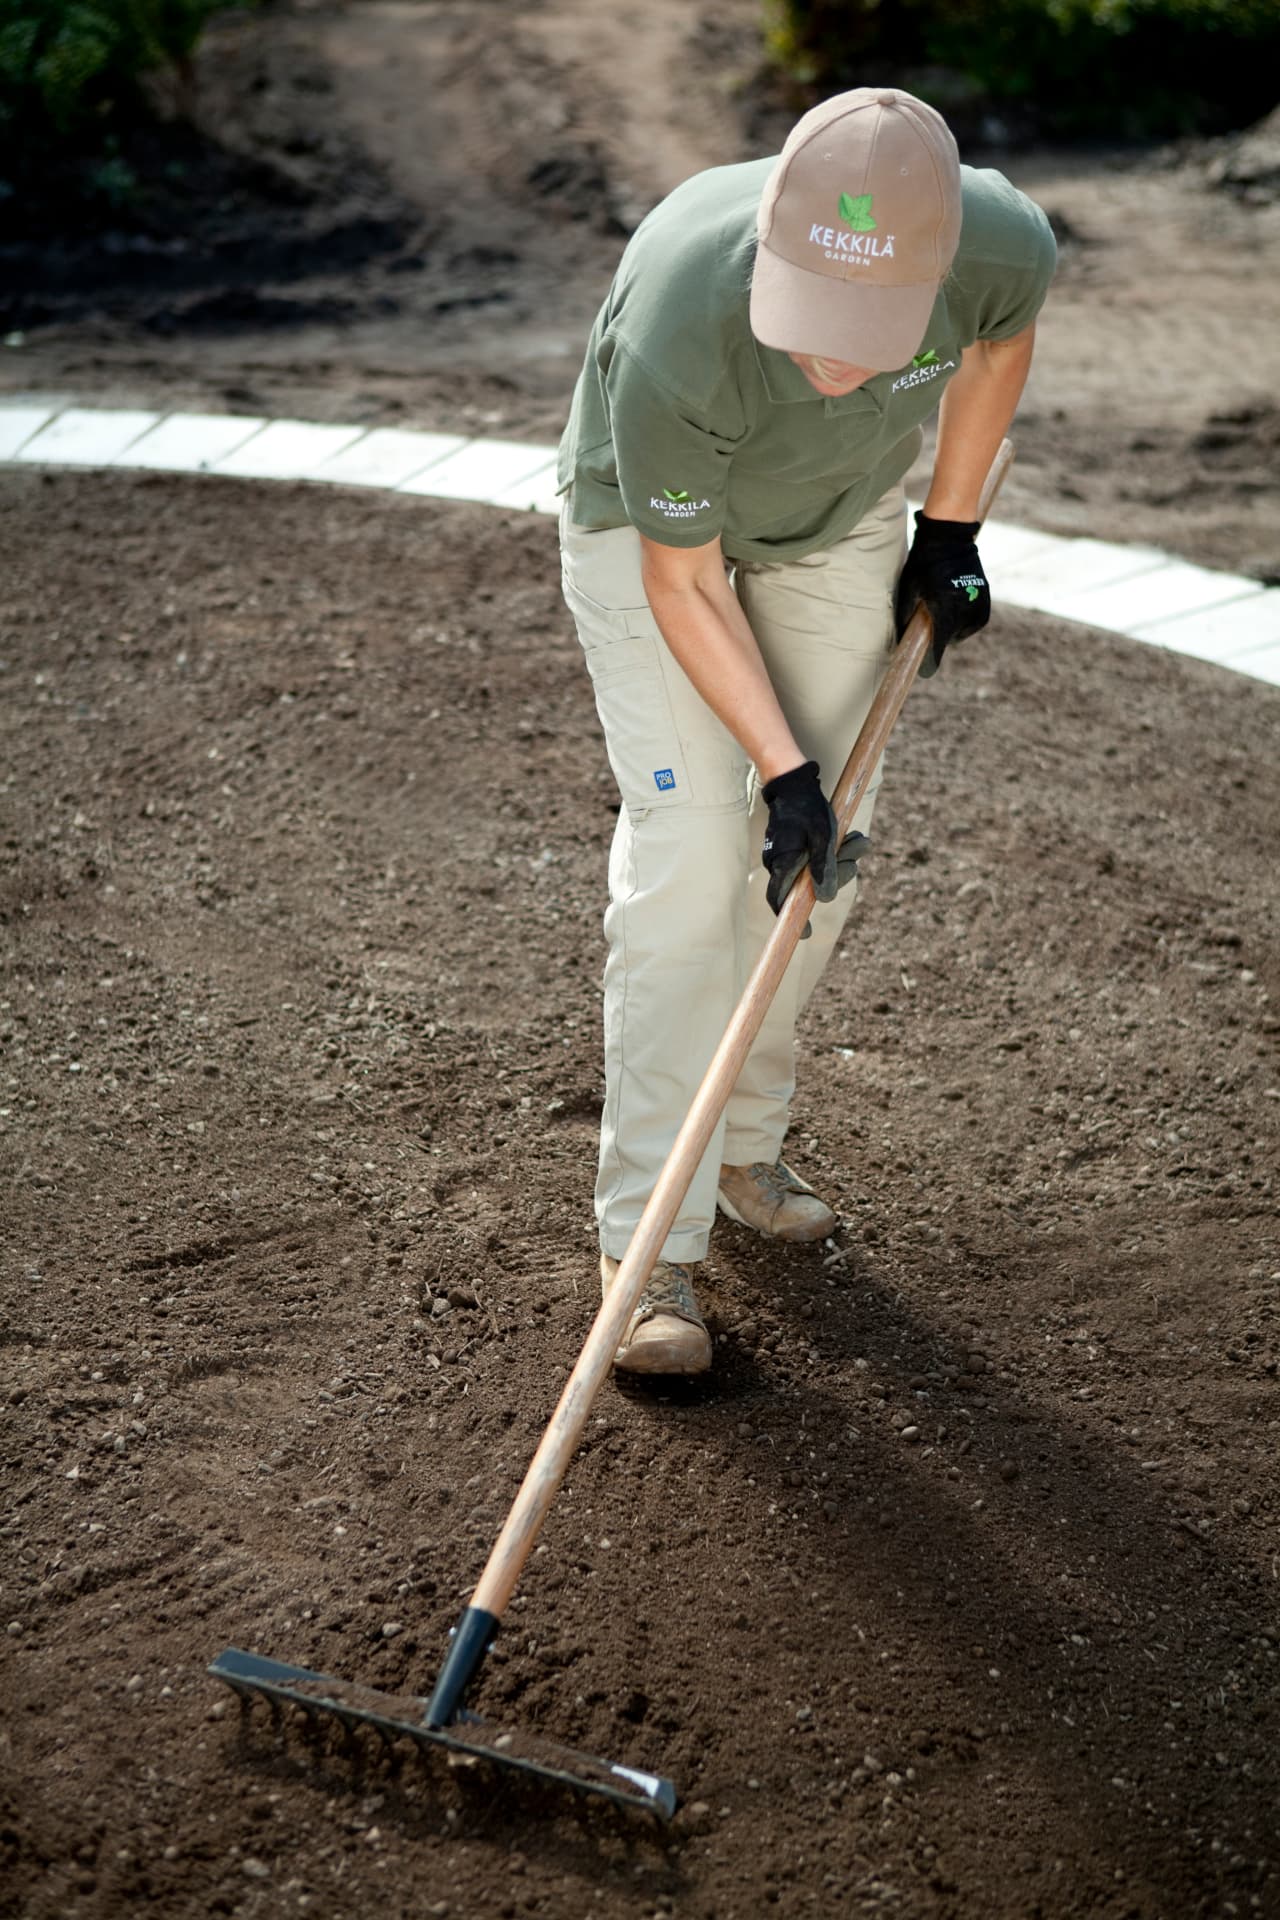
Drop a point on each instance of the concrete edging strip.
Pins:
(1140, 592)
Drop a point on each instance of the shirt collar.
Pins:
(786, 385)
(783, 381)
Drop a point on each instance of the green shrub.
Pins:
(71, 71)
(1103, 67)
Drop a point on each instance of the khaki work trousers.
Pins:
(687, 913)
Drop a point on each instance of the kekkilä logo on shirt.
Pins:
(924, 367)
(676, 506)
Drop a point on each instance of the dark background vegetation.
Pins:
(80, 80)
(98, 101)
(1108, 69)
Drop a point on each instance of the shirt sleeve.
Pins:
(1017, 291)
(672, 460)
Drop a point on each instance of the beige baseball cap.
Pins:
(858, 224)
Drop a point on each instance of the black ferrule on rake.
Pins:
(469, 1641)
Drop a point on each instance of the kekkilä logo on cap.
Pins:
(861, 243)
(855, 211)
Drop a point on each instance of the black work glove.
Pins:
(801, 832)
(943, 570)
(852, 848)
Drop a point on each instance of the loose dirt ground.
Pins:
(954, 1591)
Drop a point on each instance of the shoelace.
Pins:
(670, 1290)
(776, 1180)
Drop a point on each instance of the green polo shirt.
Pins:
(685, 427)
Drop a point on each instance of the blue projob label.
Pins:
(664, 779)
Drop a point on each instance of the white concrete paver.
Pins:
(17, 424)
(1005, 547)
(1177, 588)
(1238, 627)
(1059, 579)
(537, 494)
(1263, 665)
(287, 450)
(481, 470)
(1243, 635)
(387, 457)
(86, 437)
(190, 442)
(1138, 591)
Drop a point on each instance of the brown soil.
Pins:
(953, 1591)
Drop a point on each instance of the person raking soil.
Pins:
(734, 549)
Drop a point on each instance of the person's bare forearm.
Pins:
(710, 637)
(976, 411)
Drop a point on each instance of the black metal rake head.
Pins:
(467, 1736)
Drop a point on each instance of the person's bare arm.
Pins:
(709, 635)
(977, 407)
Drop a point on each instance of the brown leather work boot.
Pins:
(774, 1200)
(666, 1333)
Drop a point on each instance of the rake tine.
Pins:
(467, 1742)
(315, 1734)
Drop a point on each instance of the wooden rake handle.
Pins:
(547, 1468)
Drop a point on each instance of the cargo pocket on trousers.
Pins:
(631, 698)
